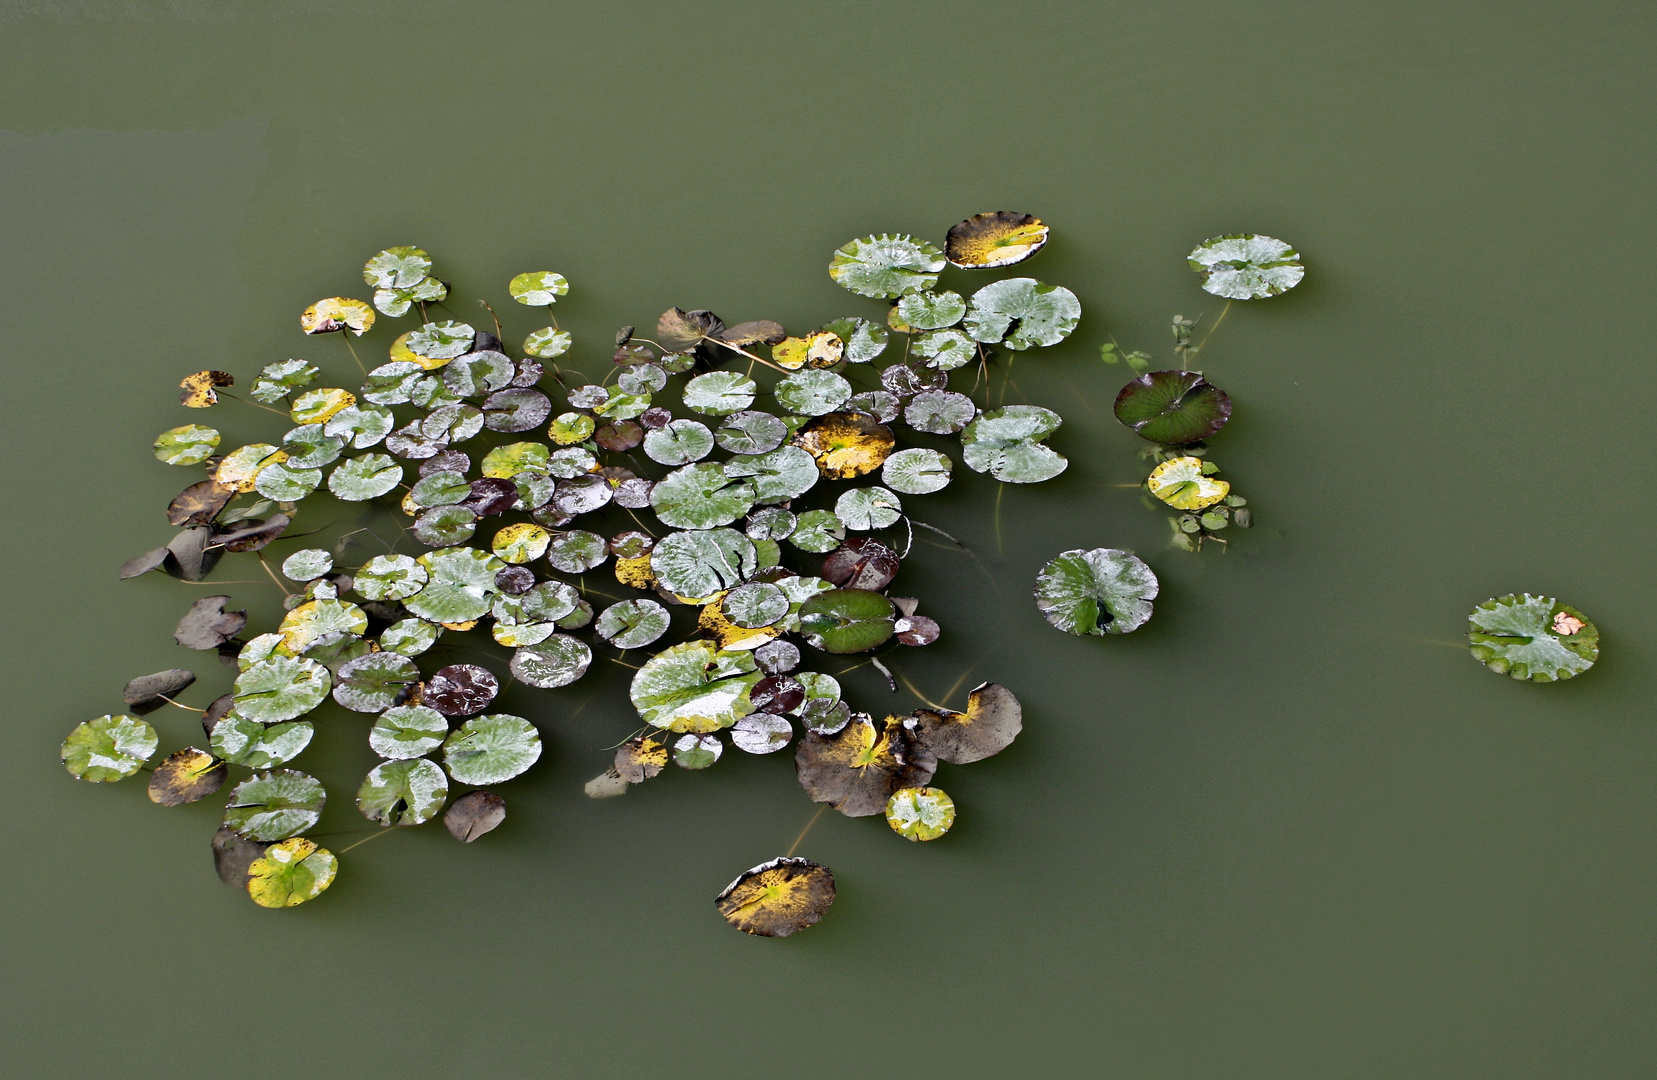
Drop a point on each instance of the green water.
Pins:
(1288, 830)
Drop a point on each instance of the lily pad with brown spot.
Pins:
(639, 759)
(858, 768)
(199, 388)
(186, 775)
(992, 721)
(777, 898)
(337, 313)
(846, 444)
(1002, 238)
(474, 814)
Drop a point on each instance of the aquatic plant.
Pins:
(1532, 638)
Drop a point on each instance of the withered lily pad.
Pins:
(1102, 591)
(777, 898)
(337, 313)
(1173, 407)
(846, 445)
(474, 814)
(207, 625)
(1184, 484)
(862, 340)
(232, 855)
(639, 759)
(290, 873)
(461, 690)
(1002, 238)
(199, 388)
(199, 503)
(992, 721)
(108, 749)
(186, 775)
(857, 769)
(822, 349)
(148, 693)
(1533, 638)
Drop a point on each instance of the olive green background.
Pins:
(1288, 830)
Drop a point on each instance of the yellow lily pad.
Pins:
(715, 624)
(199, 390)
(521, 543)
(337, 313)
(984, 241)
(777, 898)
(1180, 483)
(846, 445)
(635, 573)
(320, 406)
(290, 872)
(821, 349)
(920, 813)
(401, 352)
(240, 468)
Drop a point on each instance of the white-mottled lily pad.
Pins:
(375, 682)
(397, 268)
(492, 748)
(367, 477)
(442, 340)
(1021, 313)
(886, 266)
(109, 748)
(945, 350)
(632, 624)
(778, 475)
(538, 289)
(241, 741)
(557, 661)
(864, 340)
(283, 482)
(408, 731)
(701, 496)
(274, 805)
(390, 577)
(281, 688)
(1005, 443)
(866, 509)
(307, 564)
(459, 584)
(411, 637)
(190, 444)
(719, 393)
(931, 310)
(702, 562)
(1244, 266)
(694, 687)
(812, 392)
(696, 751)
(916, 471)
(818, 531)
(276, 381)
(547, 343)
(406, 792)
(1102, 591)
(761, 733)
(678, 442)
(1533, 638)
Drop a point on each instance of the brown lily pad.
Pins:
(461, 690)
(857, 769)
(992, 721)
(148, 693)
(861, 563)
(207, 625)
(199, 503)
(637, 760)
(777, 898)
(233, 854)
(186, 775)
(474, 814)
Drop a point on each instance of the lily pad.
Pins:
(577, 551)
(375, 682)
(860, 767)
(490, 749)
(320, 405)
(557, 661)
(777, 475)
(1021, 313)
(516, 409)
(632, 624)
(755, 605)
(945, 350)
(847, 620)
(442, 340)
(917, 471)
(1005, 443)
(461, 690)
(547, 343)
(189, 444)
(822, 349)
(861, 563)
(274, 805)
(1181, 483)
(405, 792)
(521, 543)
(474, 814)
(696, 751)
(207, 625)
(199, 388)
(362, 478)
(812, 393)
(702, 562)
(276, 381)
(1102, 591)
(1533, 638)
(361, 426)
(459, 585)
(390, 577)
(761, 733)
(920, 813)
(408, 731)
(281, 688)
(397, 268)
(186, 776)
(317, 618)
(639, 759)
(306, 564)
(290, 873)
(862, 340)
(694, 687)
(992, 721)
(867, 509)
(931, 310)
(411, 637)
(886, 266)
(475, 374)
(337, 313)
(1244, 266)
(285, 483)
(701, 496)
(719, 393)
(746, 432)
(817, 531)
(846, 445)
(679, 442)
(109, 748)
(241, 741)
(1002, 238)
(538, 289)
(777, 898)
(1173, 407)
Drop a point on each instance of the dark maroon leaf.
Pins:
(530, 372)
(515, 580)
(216, 712)
(145, 693)
(484, 341)
(207, 625)
(461, 690)
(861, 563)
(199, 503)
(619, 437)
(916, 630)
(491, 495)
(655, 417)
(777, 694)
(474, 814)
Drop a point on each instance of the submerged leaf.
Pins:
(474, 814)
(1532, 637)
(857, 769)
(886, 266)
(1002, 238)
(290, 873)
(1244, 266)
(233, 855)
(639, 759)
(108, 749)
(148, 693)
(1173, 407)
(1102, 591)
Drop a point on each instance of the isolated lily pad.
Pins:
(199, 388)
(1173, 407)
(847, 620)
(274, 805)
(992, 721)
(405, 792)
(1181, 483)
(702, 562)
(632, 624)
(408, 731)
(474, 814)
(1102, 591)
(241, 741)
(860, 767)
(861, 339)
(538, 289)
(1002, 238)
(680, 331)
(777, 898)
(1006, 443)
(694, 687)
(390, 577)
(109, 748)
(920, 813)
(207, 625)
(397, 268)
(186, 776)
(886, 266)
(1533, 638)
(846, 445)
(281, 688)
(337, 313)
(916, 471)
(1244, 266)
(189, 444)
(375, 682)
(1021, 313)
(490, 749)
(306, 564)
(557, 661)
(290, 873)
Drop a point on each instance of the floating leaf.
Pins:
(846, 445)
(931, 310)
(557, 661)
(701, 496)
(274, 805)
(316, 618)
(719, 393)
(777, 898)
(867, 509)
(367, 477)
(755, 605)
(521, 543)
(290, 873)
(461, 690)
(761, 733)
(1173, 407)
(1005, 443)
(374, 682)
(459, 584)
(207, 625)
(985, 241)
(945, 350)
(916, 471)
(886, 266)
(812, 393)
(1181, 483)
(696, 751)
(847, 620)
(474, 814)
(1021, 313)
(309, 446)
(548, 343)
(284, 483)
(241, 741)
(777, 476)
(538, 289)
(714, 624)
(680, 331)
(777, 657)
(406, 792)
(490, 749)
(148, 693)
(199, 503)
(755, 332)
(337, 313)
(411, 637)
(920, 813)
(639, 759)
(109, 748)
(861, 563)
(276, 381)
(442, 340)
(679, 442)
(1532, 637)
(186, 775)
(397, 268)
(822, 349)
(632, 624)
(817, 531)
(859, 768)
(189, 444)
(1243, 266)
(863, 340)
(199, 392)
(577, 551)
(746, 432)
(1102, 591)
(281, 688)
(233, 855)
(408, 731)
(516, 409)
(390, 577)
(694, 687)
(317, 406)
(478, 373)
(700, 563)
(992, 721)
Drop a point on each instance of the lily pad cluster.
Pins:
(724, 507)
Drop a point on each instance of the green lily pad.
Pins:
(505, 462)
(189, 444)
(694, 687)
(442, 340)
(361, 426)
(390, 577)
(557, 661)
(864, 340)
(696, 751)
(678, 442)
(411, 637)
(719, 393)
(817, 531)
(538, 289)
(748, 432)
(405, 792)
(307, 564)
(701, 496)
(920, 813)
(362, 478)
(309, 446)
(290, 873)
(392, 384)
(1021, 313)
(241, 741)
(397, 268)
(702, 562)
(1173, 407)
(632, 624)
(479, 373)
(577, 551)
(274, 805)
(571, 461)
(1243, 266)
(109, 748)
(886, 266)
(945, 350)
(939, 412)
(375, 682)
(408, 731)
(547, 343)
(314, 619)
(755, 605)
(276, 381)
(812, 392)
(460, 583)
(1102, 591)
(867, 509)
(931, 310)
(778, 475)
(847, 620)
(281, 688)
(440, 489)
(491, 748)
(916, 471)
(1533, 638)
(1005, 443)
(284, 483)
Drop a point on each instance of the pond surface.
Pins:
(1288, 830)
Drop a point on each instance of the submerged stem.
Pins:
(261, 557)
(346, 336)
(801, 838)
(181, 705)
(1215, 325)
(999, 491)
(383, 831)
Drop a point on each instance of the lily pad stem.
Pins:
(364, 840)
(798, 840)
(909, 686)
(886, 671)
(272, 573)
(181, 705)
(1215, 325)
(346, 337)
(1000, 490)
(255, 404)
(501, 336)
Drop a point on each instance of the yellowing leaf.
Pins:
(777, 898)
(920, 813)
(401, 352)
(713, 623)
(818, 350)
(635, 573)
(999, 239)
(846, 445)
(198, 388)
(290, 872)
(1180, 483)
(319, 406)
(241, 467)
(186, 775)
(521, 543)
(337, 313)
